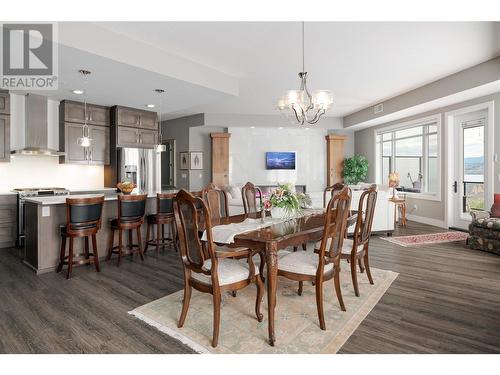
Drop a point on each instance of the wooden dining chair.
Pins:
(216, 200)
(251, 194)
(212, 271)
(357, 248)
(330, 191)
(324, 265)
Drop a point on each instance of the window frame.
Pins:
(426, 121)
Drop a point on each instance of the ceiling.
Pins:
(362, 63)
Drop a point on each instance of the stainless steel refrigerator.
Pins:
(142, 167)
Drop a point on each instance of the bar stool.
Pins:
(164, 216)
(131, 210)
(83, 219)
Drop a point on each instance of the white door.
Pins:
(470, 166)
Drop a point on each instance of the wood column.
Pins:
(220, 158)
(334, 158)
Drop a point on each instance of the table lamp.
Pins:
(393, 182)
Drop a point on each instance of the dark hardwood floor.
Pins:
(446, 299)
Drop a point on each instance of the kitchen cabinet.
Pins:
(134, 118)
(4, 138)
(75, 112)
(99, 150)
(96, 154)
(8, 220)
(71, 122)
(4, 103)
(334, 159)
(133, 137)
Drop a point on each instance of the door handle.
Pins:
(455, 187)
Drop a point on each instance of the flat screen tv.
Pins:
(280, 160)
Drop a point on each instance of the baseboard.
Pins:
(427, 220)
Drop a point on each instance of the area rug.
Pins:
(427, 239)
(296, 325)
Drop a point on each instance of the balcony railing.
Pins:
(473, 198)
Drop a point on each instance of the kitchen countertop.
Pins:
(58, 199)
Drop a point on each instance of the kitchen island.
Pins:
(45, 215)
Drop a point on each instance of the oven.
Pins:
(24, 193)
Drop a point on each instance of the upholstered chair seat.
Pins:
(302, 262)
(348, 245)
(229, 271)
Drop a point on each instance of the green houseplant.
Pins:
(355, 169)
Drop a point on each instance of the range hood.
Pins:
(35, 130)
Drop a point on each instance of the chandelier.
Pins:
(299, 106)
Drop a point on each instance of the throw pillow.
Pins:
(495, 209)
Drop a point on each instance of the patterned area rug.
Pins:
(297, 327)
(427, 239)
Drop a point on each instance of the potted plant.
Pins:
(355, 169)
(284, 202)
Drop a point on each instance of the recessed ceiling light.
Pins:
(78, 92)
(281, 127)
(308, 128)
(150, 105)
(252, 127)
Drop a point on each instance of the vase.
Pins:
(279, 213)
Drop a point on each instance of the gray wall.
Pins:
(178, 129)
(364, 144)
(199, 140)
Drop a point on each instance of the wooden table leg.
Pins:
(272, 281)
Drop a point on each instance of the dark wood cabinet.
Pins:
(72, 120)
(133, 137)
(149, 120)
(4, 103)
(96, 154)
(75, 154)
(8, 220)
(99, 150)
(4, 138)
(147, 138)
(134, 118)
(75, 112)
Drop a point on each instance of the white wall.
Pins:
(248, 147)
(45, 171)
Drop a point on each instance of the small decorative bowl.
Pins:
(126, 188)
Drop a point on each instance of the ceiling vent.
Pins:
(379, 108)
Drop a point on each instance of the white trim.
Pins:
(427, 220)
(435, 118)
(489, 183)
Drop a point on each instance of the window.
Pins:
(411, 150)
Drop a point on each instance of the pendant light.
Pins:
(160, 147)
(299, 106)
(85, 140)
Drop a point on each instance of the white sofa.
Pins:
(383, 220)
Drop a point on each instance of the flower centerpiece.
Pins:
(284, 202)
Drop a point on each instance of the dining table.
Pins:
(307, 227)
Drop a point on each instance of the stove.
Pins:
(22, 194)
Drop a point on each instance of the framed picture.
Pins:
(196, 160)
(184, 160)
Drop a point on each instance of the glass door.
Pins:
(470, 171)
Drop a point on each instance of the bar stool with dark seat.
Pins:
(83, 219)
(164, 216)
(131, 210)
